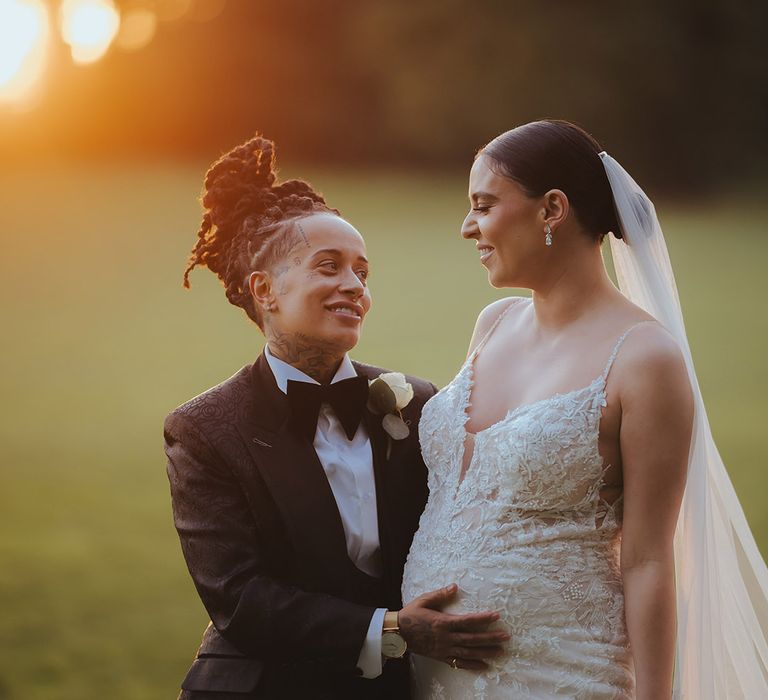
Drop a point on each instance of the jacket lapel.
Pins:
(291, 470)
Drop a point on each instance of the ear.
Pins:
(556, 208)
(260, 286)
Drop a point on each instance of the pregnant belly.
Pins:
(569, 587)
(567, 632)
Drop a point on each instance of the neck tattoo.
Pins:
(314, 359)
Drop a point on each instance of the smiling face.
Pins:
(506, 224)
(318, 291)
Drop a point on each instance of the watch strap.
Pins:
(391, 622)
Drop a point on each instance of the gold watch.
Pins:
(393, 646)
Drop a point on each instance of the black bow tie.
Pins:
(347, 398)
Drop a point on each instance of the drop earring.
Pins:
(548, 237)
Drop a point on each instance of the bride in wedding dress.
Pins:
(574, 484)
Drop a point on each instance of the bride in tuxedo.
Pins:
(559, 454)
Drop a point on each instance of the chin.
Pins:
(496, 281)
(350, 341)
(342, 341)
(503, 279)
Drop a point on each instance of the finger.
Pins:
(477, 653)
(479, 639)
(437, 598)
(474, 622)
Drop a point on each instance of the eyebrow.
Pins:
(334, 251)
(487, 195)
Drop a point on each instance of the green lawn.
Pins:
(100, 341)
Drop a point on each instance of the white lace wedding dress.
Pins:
(527, 534)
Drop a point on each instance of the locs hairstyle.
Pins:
(555, 154)
(248, 220)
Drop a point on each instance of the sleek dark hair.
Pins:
(555, 154)
(245, 224)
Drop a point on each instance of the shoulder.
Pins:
(651, 346)
(652, 368)
(214, 404)
(489, 315)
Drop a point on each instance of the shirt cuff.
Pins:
(369, 661)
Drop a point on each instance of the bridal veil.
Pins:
(721, 578)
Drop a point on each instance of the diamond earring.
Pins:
(548, 237)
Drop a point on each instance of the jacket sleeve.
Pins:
(224, 551)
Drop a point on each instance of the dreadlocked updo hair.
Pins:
(247, 219)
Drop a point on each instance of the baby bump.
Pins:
(555, 649)
(542, 596)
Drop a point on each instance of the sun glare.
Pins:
(89, 27)
(23, 47)
(137, 27)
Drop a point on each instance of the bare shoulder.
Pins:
(488, 316)
(651, 345)
(651, 366)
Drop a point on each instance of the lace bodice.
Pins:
(525, 532)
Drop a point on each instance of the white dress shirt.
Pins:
(348, 465)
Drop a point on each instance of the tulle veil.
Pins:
(721, 578)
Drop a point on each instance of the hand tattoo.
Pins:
(417, 633)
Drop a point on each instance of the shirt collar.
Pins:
(283, 371)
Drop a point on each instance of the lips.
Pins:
(346, 309)
(485, 252)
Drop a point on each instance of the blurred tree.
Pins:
(677, 90)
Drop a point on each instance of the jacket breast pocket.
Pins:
(223, 674)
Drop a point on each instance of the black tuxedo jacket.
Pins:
(264, 543)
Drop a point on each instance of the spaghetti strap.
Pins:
(618, 345)
(515, 301)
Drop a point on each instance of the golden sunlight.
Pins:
(24, 31)
(137, 28)
(89, 27)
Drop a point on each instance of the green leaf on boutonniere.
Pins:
(381, 399)
(395, 427)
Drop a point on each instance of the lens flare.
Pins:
(89, 27)
(137, 27)
(24, 30)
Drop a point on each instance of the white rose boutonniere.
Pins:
(388, 395)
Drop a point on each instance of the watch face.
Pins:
(393, 646)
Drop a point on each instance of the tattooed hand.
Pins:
(465, 638)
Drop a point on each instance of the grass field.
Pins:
(100, 341)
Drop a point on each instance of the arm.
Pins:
(224, 550)
(655, 436)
